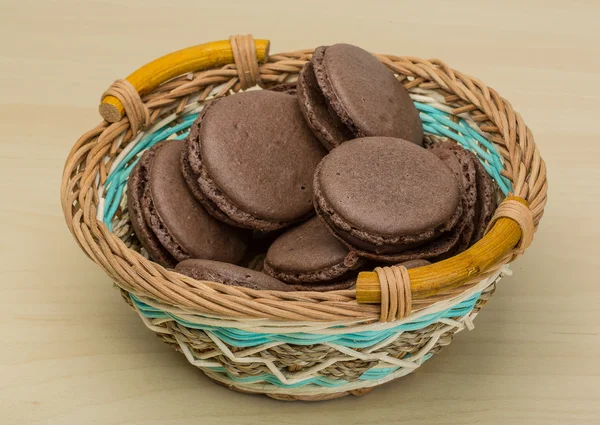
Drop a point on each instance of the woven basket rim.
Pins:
(86, 165)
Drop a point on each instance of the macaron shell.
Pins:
(256, 149)
(192, 169)
(229, 274)
(135, 191)
(467, 233)
(485, 201)
(339, 285)
(181, 224)
(208, 194)
(309, 253)
(463, 166)
(468, 163)
(430, 250)
(388, 188)
(328, 128)
(360, 241)
(365, 94)
(194, 187)
(306, 247)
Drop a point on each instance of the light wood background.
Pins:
(72, 352)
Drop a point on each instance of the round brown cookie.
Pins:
(347, 88)
(309, 253)
(179, 222)
(456, 239)
(135, 191)
(486, 203)
(386, 193)
(192, 180)
(468, 165)
(253, 158)
(229, 274)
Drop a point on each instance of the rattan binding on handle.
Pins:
(396, 295)
(246, 61)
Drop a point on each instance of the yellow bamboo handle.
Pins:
(191, 59)
(451, 273)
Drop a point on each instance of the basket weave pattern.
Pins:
(293, 345)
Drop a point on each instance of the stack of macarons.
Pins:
(301, 186)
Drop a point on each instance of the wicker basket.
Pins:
(299, 345)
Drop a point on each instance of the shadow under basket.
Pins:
(299, 345)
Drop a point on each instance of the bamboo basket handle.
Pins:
(426, 281)
(163, 69)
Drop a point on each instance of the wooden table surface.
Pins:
(74, 353)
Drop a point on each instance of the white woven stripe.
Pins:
(383, 359)
(150, 324)
(194, 361)
(316, 389)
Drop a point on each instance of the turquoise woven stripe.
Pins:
(115, 182)
(438, 123)
(240, 338)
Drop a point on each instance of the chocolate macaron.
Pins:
(229, 274)
(385, 196)
(345, 92)
(171, 225)
(250, 160)
(310, 257)
(479, 186)
(486, 204)
(136, 189)
(464, 170)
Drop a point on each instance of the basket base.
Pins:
(289, 397)
(229, 366)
